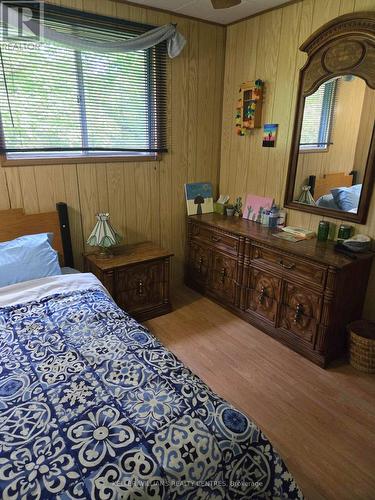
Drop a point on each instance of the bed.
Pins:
(337, 191)
(93, 406)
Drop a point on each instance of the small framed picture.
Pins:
(269, 135)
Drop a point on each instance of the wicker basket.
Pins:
(362, 345)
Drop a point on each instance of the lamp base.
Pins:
(104, 253)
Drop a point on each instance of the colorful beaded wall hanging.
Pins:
(249, 109)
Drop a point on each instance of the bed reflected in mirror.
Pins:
(334, 144)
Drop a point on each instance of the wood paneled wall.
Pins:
(145, 199)
(267, 47)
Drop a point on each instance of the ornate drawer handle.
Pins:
(140, 287)
(215, 239)
(262, 295)
(223, 273)
(299, 312)
(286, 266)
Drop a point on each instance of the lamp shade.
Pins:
(103, 234)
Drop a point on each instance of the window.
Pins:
(60, 102)
(318, 117)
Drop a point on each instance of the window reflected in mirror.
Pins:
(318, 118)
(334, 144)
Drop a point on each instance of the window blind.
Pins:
(57, 101)
(318, 117)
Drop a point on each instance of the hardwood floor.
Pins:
(322, 422)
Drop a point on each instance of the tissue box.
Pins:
(219, 208)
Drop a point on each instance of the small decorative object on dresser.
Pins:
(230, 210)
(323, 230)
(254, 207)
(358, 243)
(238, 206)
(103, 236)
(221, 203)
(137, 277)
(303, 294)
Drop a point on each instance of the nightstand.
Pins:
(137, 277)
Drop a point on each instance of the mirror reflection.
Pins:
(334, 144)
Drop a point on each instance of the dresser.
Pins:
(303, 294)
(137, 277)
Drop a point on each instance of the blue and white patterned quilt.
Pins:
(93, 406)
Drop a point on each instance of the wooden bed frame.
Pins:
(15, 223)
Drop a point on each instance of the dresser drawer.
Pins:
(223, 277)
(263, 294)
(221, 241)
(289, 266)
(222, 287)
(199, 263)
(265, 284)
(223, 265)
(301, 311)
(303, 299)
(305, 327)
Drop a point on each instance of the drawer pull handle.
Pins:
(140, 288)
(286, 266)
(223, 274)
(298, 314)
(215, 239)
(262, 295)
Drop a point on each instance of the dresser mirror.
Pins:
(332, 167)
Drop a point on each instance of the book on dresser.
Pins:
(299, 232)
(302, 294)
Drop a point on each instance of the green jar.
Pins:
(345, 232)
(323, 230)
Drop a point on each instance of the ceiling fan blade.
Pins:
(224, 4)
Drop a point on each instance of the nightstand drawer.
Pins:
(141, 297)
(139, 276)
(140, 286)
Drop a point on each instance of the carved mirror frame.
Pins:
(343, 46)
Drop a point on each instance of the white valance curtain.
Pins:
(168, 32)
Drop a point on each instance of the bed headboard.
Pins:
(323, 185)
(15, 223)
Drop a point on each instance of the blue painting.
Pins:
(199, 198)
